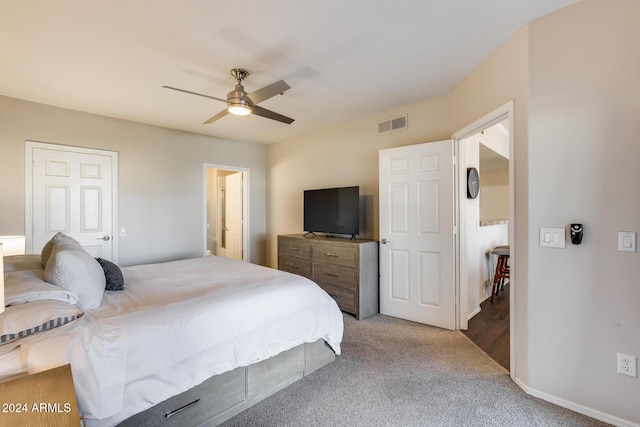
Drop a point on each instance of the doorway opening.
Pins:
(485, 223)
(226, 211)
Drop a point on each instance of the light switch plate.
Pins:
(627, 241)
(552, 237)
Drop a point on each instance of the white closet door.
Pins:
(72, 193)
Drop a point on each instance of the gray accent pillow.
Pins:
(113, 275)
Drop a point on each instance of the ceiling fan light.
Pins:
(239, 109)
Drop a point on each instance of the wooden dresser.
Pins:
(346, 269)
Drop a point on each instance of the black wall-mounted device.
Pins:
(576, 234)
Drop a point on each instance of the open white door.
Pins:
(72, 191)
(417, 258)
(233, 215)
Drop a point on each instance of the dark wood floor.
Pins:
(489, 329)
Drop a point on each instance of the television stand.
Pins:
(309, 232)
(346, 269)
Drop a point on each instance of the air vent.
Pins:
(392, 125)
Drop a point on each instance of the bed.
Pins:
(185, 342)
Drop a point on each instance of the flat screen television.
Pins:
(332, 210)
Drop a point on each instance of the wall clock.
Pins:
(473, 183)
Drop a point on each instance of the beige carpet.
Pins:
(398, 373)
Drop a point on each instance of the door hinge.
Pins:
(454, 161)
(455, 230)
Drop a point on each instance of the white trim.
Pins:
(505, 111)
(246, 250)
(460, 295)
(474, 312)
(590, 412)
(462, 291)
(29, 146)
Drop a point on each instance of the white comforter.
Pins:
(175, 325)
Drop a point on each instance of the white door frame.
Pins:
(29, 146)
(246, 250)
(496, 116)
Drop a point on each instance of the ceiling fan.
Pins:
(242, 103)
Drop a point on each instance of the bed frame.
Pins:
(223, 396)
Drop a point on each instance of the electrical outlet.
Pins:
(627, 365)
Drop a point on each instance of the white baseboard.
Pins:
(474, 312)
(590, 412)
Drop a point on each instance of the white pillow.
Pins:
(22, 320)
(28, 285)
(73, 269)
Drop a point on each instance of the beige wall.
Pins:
(494, 193)
(584, 157)
(160, 177)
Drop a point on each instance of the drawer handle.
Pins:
(332, 254)
(182, 408)
(293, 248)
(332, 275)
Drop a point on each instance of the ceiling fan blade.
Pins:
(268, 91)
(217, 116)
(194, 93)
(259, 111)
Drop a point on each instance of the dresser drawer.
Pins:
(295, 265)
(335, 274)
(346, 298)
(290, 246)
(326, 251)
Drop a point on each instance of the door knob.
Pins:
(105, 238)
(384, 241)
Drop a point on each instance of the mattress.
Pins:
(175, 325)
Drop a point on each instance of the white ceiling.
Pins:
(344, 59)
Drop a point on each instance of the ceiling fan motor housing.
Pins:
(238, 102)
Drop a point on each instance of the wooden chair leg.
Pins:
(502, 270)
(496, 278)
(502, 273)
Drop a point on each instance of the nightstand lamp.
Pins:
(13, 245)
